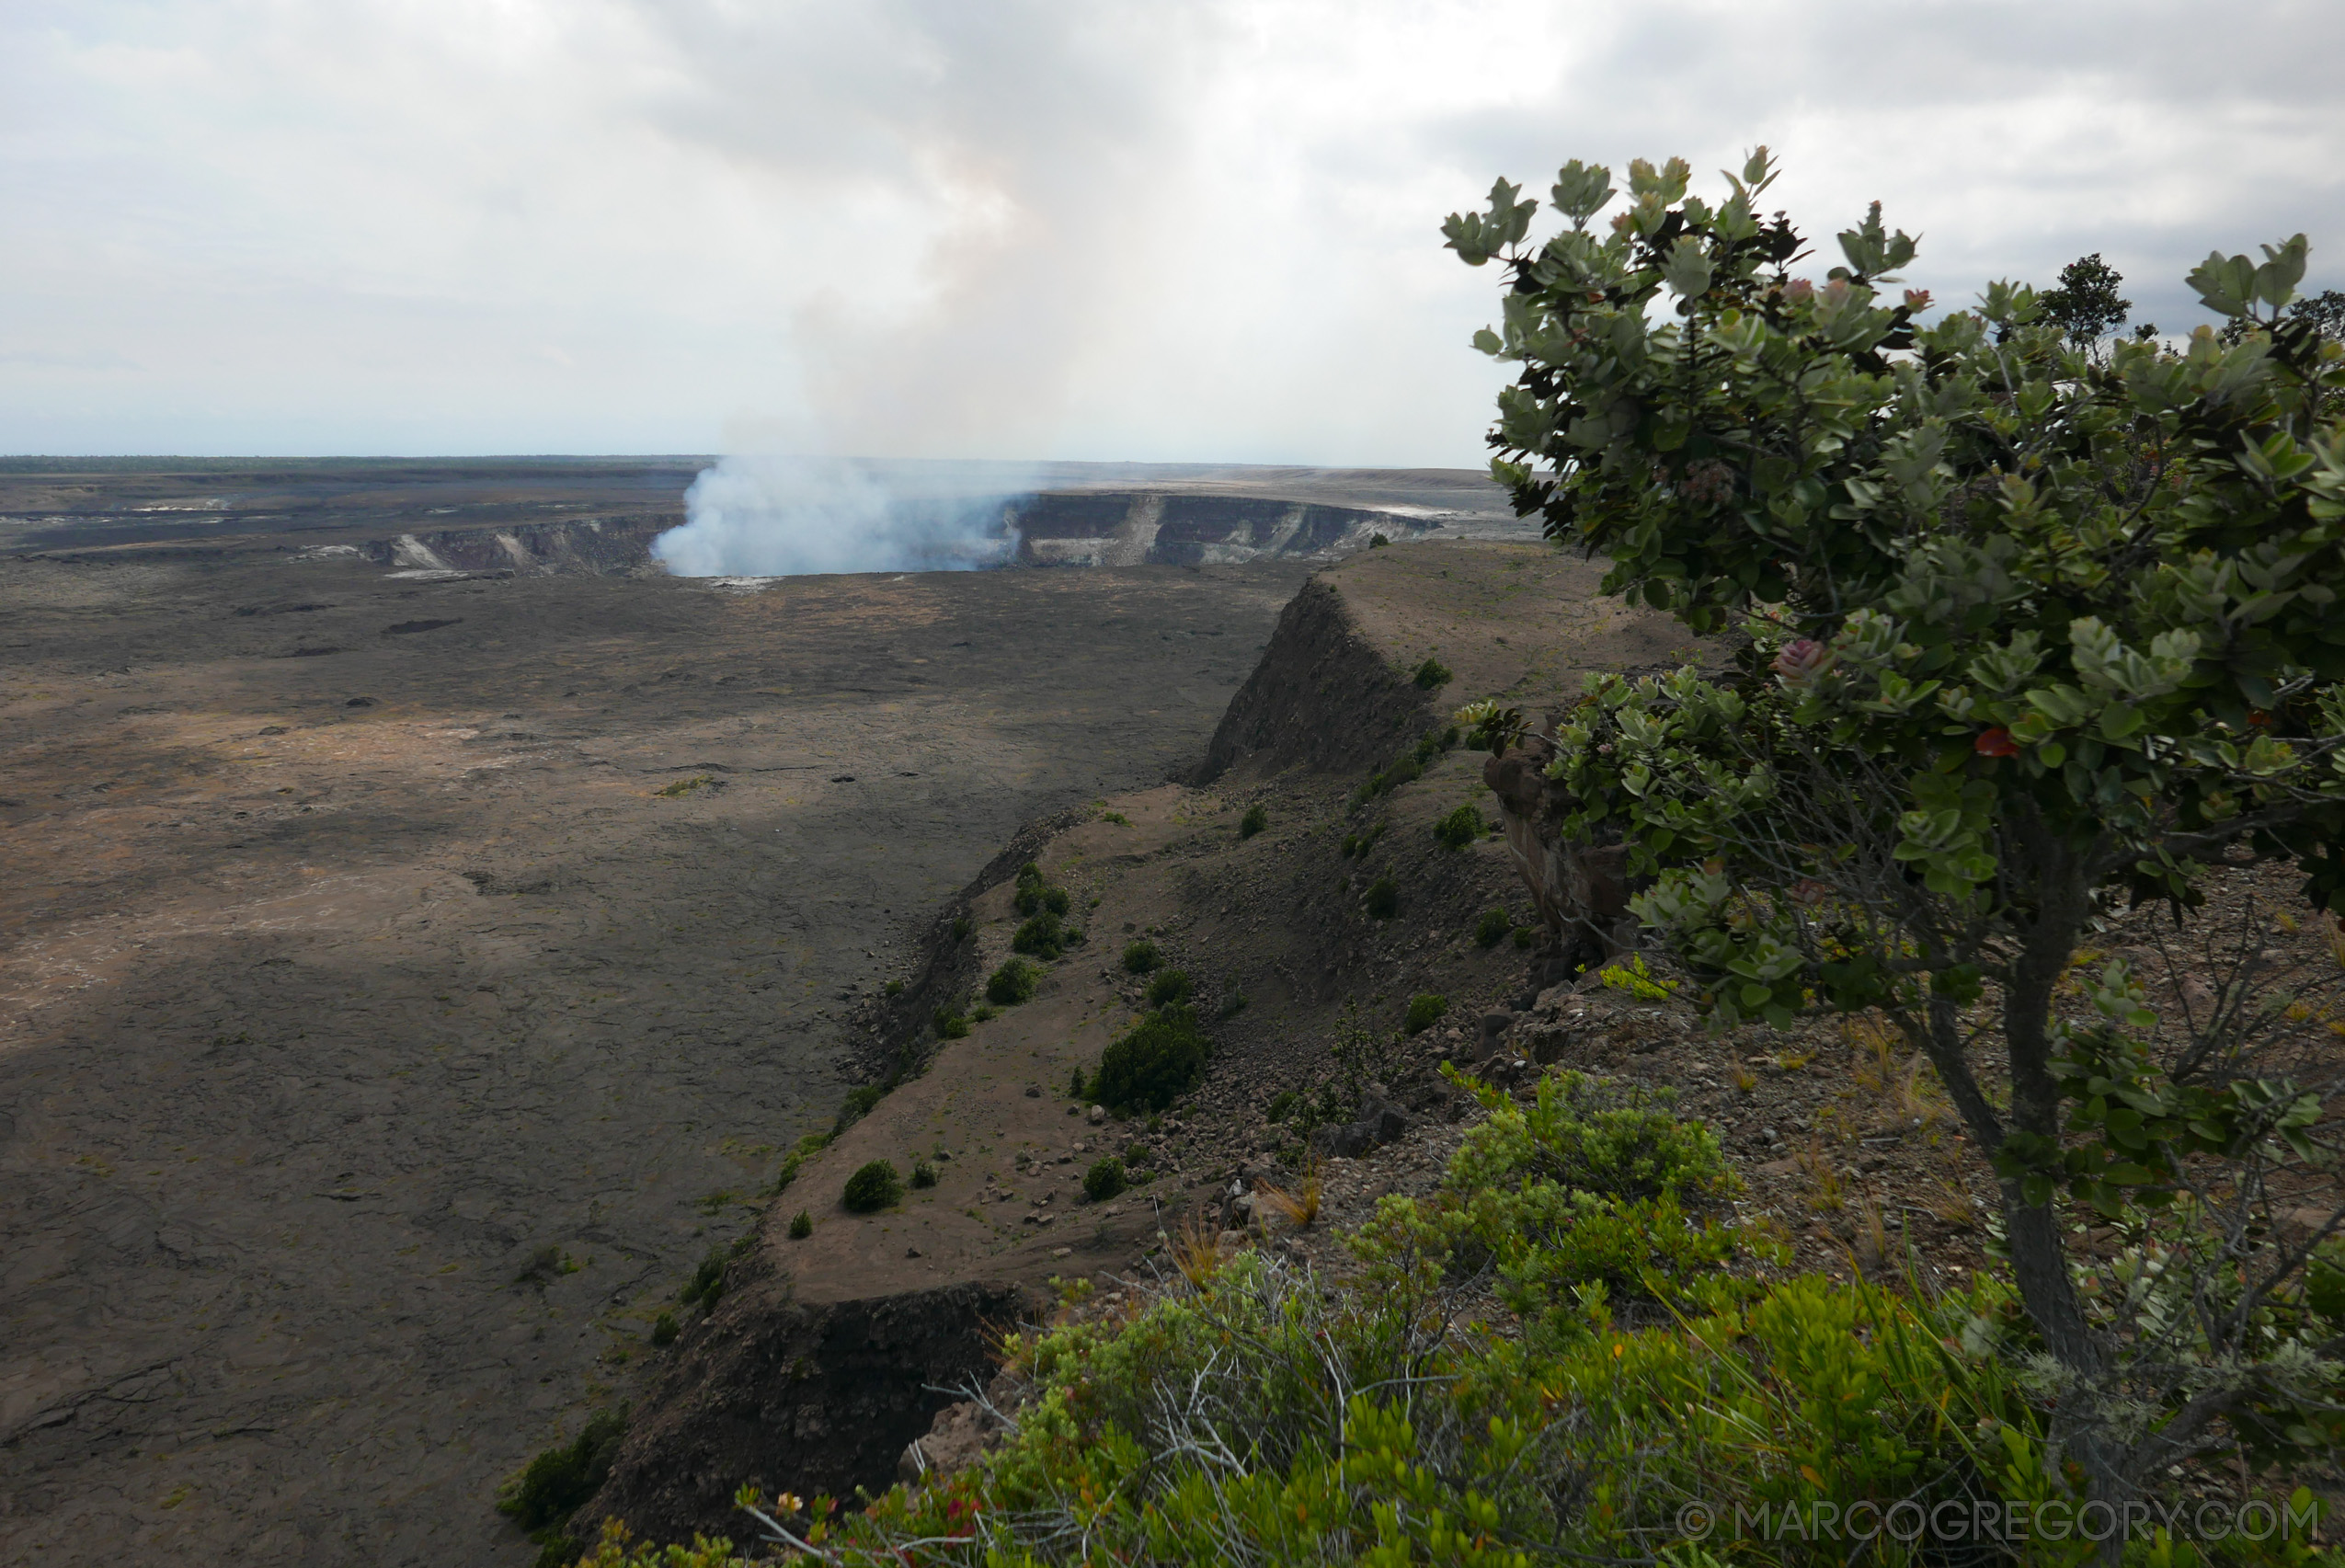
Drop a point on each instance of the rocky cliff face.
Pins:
(594, 546)
(1114, 528)
(1323, 697)
(785, 1394)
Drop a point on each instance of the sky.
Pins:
(1205, 232)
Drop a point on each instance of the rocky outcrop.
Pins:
(1580, 889)
(1323, 697)
(591, 546)
(795, 1397)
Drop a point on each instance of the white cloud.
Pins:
(1018, 229)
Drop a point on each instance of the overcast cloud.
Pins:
(958, 228)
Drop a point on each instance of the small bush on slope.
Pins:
(1153, 1063)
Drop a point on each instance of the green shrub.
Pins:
(1383, 899)
(1170, 985)
(950, 1025)
(1500, 1453)
(872, 1188)
(664, 1330)
(1492, 929)
(1141, 957)
(805, 1148)
(1104, 1180)
(801, 1226)
(1432, 673)
(1283, 1102)
(1151, 1064)
(558, 1481)
(1424, 1011)
(1232, 1005)
(962, 926)
(923, 1173)
(1043, 935)
(1378, 542)
(1527, 936)
(1460, 828)
(707, 1282)
(1013, 983)
(1257, 819)
(1075, 1084)
(984, 1012)
(857, 1106)
(893, 987)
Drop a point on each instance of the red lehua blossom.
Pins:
(1996, 743)
(1917, 300)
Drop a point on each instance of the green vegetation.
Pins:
(1360, 844)
(1408, 766)
(1013, 983)
(1104, 1180)
(1170, 985)
(1492, 929)
(706, 1286)
(1378, 542)
(1257, 819)
(558, 1481)
(951, 1023)
(858, 1104)
(1527, 936)
(1282, 1105)
(1044, 937)
(962, 926)
(664, 1330)
(1432, 673)
(872, 1188)
(805, 1148)
(1383, 900)
(801, 1225)
(1424, 1011)
(1460, 828)
(893, 987)
(1075, 1084)
(1232, 1005)
(1036, 895)
(2033, 629)
(687, 786)
(923, 1173)
(1153, 1063)
(1141, 957)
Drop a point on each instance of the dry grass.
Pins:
(1295, 1208)
(1872, 1244)
(1196, 1250)
(1824, 1177)
(1745, 1081)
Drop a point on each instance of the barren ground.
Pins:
(356, 948)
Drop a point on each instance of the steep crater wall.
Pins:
(1325, 697)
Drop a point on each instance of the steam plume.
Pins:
(793, 516)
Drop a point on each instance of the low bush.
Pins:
(1075, 1084)
(1432, 673)
(706, 1286)
(1043, 936)
(805, 1148)
(873, 1187)
(1378, 542)
(1527, 936)
(1232, 1005)
(1281, 1103)
(1460, 828)
(664, 1330)
(1257, 819)
(923, 1173)
(1383, 900)
(801, 1225)
(858, 1104)
(557, 1482)
(1153, 1063)
(1493, 928)
(1170, 985)
(1013, 983)
(984, 1012)
(950, 1025)
(1424, 1011)
(1141, 957)
(1104, 1180)
(962, 926)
